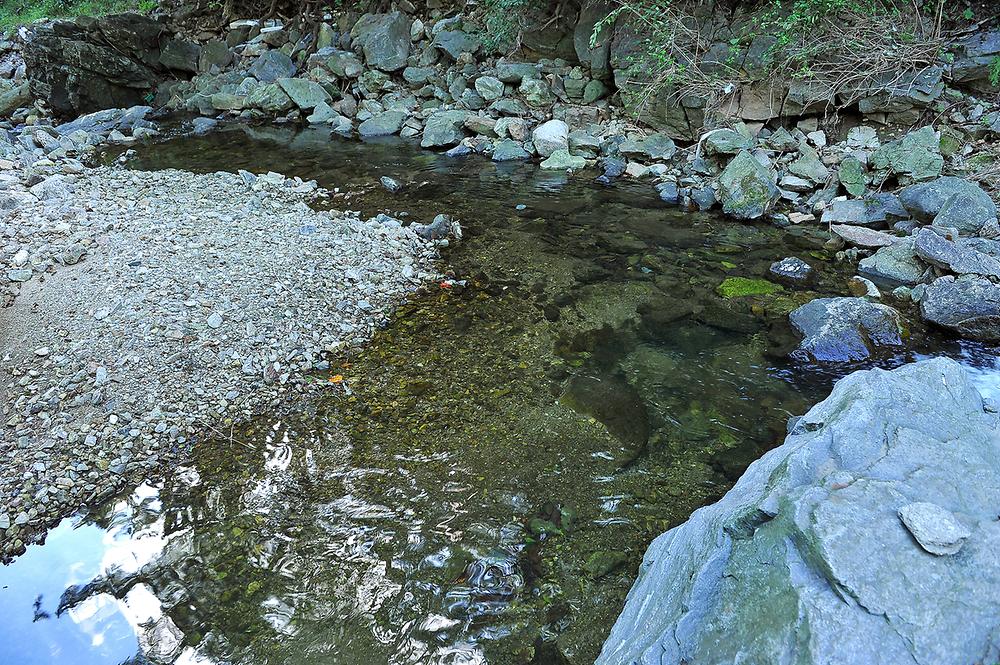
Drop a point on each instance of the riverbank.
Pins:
(179, 305)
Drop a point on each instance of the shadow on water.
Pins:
(477, 486)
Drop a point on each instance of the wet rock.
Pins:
(444, 128)
(391, 185)
(561, 160)
(792, 271)
(271, 66)
(818, 515)
(746, 188)
(616, 404)
(957, 258)
(384, 39)
(600, 564)
(507, 150)
(845, 329)
(935, 528)
(669, 192)
(440, 227)
(386, 123)
(550, 136)
(895, 265)
(968, 305)
(950, 202)
(613, 167)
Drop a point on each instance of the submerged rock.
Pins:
(845, 329)
(806, 559)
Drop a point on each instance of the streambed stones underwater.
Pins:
(480, 483)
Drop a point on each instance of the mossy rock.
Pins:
(601, 563)
(739, 287)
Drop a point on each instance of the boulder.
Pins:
(656, 147)
(215, 56)
(792, 271)
(968, 305)
(954, 257)
(845, 329)
(894, 265)
(594, 51)
(725, 142)
(444, 128)
(306, 94)
(508, 150)
(270, 98)
(550, 136)
(860, 236)
(806, 559)
(112, 63)
(950, 202)
(912, 158)
(17, 97)
(561, 160)
(874, 210)
(456, 42)
(809, 166)
(271, 66)
(384, 39)
(746, 188)
(343, 64)
(386, 123)
(537, 93)
(489, 87)
(180, 55)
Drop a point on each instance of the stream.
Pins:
(480, 483)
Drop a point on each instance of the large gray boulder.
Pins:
(808, 558)
(956, 257)
(306, 94)
(845, 329)
(271, 66)
(894, 265)
(384, 39)
(950, 202)
(969, 305)
(550, 136)
(746, 188)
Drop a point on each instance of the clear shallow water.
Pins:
(482, 484)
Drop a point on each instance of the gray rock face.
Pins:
(444, 128)
(955, 257)
(306, 94)
(968, 305)
(806, 560)
(456, 42)
(746, 188)
(950, 202)
(912, 158)
(894, 265)
(845, 329)
(114, 62)
(385, 40)
(271, 66)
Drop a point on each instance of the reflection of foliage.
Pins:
(20, 12)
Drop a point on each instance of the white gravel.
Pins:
(160, 306)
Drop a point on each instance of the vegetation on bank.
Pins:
(20, 12)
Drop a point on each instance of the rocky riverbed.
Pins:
(152, 307)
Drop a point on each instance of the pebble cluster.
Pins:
(146, 308)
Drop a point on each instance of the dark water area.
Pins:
(479, 485)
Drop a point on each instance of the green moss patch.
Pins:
(739, 287)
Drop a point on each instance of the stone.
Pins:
(17, 97)
(934, 528)
(391, 185)
(491, 88)
(508, 150)
(874, 210)
(912, 158)
(516, 72)
(859, 236)
(536, 93)
(954, 257)
(386, 123)
(894, 265)
(271, 66)
(270, 98)
(384, 39)
(444, 128)
(791, 271)
(594, 90)
(845, 329)
(418, 76)
(481, 125)
(456, 42)
(656, 147)
(809, 166)
(950, 202)
(725, 142)
(969, 305)
(550, 136)
(851, 174)
(214, 320)
(180, 55)
(224, 101)
(818, 517)
(306, 94)
(746, 188)
(561, 160)
(344, 64)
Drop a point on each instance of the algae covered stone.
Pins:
(739, 287)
